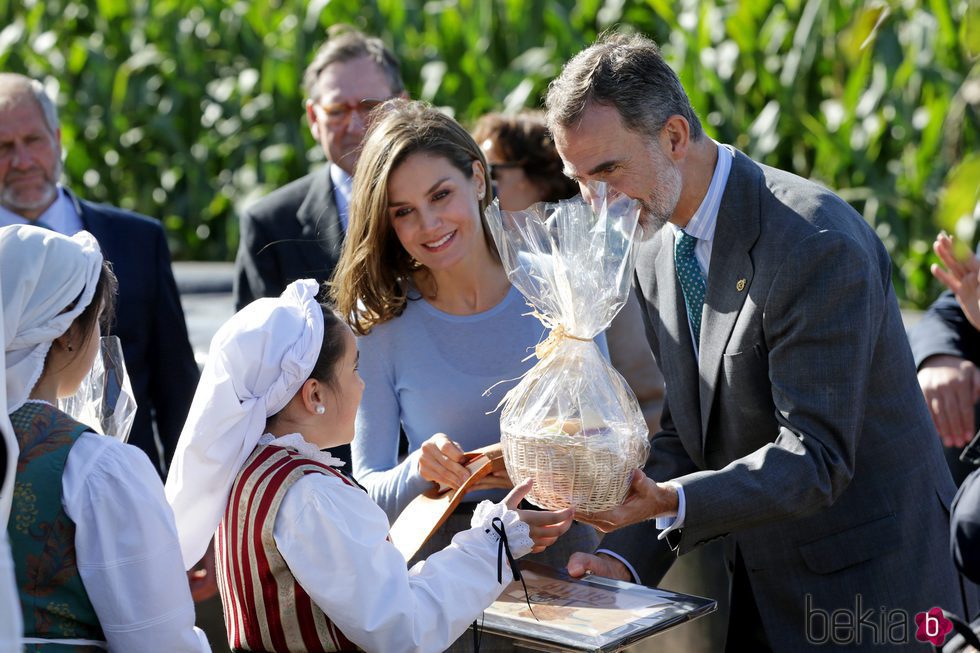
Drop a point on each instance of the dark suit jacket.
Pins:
(965, 527)
(944, 329)
(800, 435)
(292, 233)
(149, 322)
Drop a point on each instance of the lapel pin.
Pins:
(740, 286)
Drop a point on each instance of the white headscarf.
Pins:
(42, 273)
(258, 361)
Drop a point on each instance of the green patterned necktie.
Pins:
(691, 280)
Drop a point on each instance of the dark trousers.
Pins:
(745, 631)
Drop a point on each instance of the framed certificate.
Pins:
(586, 614)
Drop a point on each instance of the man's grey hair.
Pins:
(627, 72)
(12, 88)
(344, 43)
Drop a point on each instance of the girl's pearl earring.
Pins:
(320, 410)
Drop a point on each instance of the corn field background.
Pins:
(188, 110)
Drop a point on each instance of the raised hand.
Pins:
(962, 276)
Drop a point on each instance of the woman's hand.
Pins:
(546, 525)
(441, 461)
(960, 276)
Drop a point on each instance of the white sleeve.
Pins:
(334, 539)
(127, 550)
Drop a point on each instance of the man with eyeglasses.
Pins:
(296, 231)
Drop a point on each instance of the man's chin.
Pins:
(650, 224)
(28, 202)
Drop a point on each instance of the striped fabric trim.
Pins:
(265, 608)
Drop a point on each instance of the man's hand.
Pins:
(951, 386)
(646, 500)
(600, 564)
(962, 276)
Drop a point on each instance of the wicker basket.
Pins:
(590, 472)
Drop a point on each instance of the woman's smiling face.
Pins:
(434, 209)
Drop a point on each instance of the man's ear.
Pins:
(313, 120)
(678, 133)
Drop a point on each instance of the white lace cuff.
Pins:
(518, 533)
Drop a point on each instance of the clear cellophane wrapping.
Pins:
(572, 423)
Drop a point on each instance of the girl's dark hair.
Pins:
(332, 349)
(104, 299)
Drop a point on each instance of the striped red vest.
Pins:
(265, 608)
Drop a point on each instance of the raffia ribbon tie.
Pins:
(547, 347)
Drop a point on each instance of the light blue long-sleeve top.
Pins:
(426, 371)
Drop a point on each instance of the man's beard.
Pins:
(657, 209)
(9, 197)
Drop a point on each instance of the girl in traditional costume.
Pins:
(303, 559)
(94, 543)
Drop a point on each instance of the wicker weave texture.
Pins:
(591, 474)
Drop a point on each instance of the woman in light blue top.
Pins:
(439, 322)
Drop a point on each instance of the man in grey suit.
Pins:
(296, 231)
(793, 424)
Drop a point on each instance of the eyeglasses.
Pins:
(338, 113)
(494, 167)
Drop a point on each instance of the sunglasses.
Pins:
(494, 167)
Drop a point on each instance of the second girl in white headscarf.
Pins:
(94, 543)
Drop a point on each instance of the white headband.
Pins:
(258, 361)
(42, 273)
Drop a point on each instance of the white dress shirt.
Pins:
(333, 537)
(61, 216)
(343, 186)
(126, 548)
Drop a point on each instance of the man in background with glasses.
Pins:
(296, 231)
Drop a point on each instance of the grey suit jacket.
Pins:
(292, 233)
(801, 434)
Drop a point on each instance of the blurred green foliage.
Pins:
(187, 109)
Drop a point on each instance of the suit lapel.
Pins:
(318, 216)
(729, 274)
(92, 221)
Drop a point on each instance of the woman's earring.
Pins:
(69, 347)
(320, 409)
